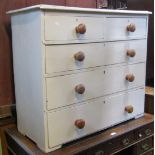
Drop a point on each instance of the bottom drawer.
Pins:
(73, 122)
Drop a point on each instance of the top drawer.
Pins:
(78, 29)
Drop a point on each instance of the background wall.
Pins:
(7, 96)
(6, 71)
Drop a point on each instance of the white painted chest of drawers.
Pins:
(77, 71)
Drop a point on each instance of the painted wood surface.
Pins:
(97, 82)
(98, 114)
(35, 98)
(29, 87)
(96, 54)
(98, 28)
(77, 9)
(38, 94)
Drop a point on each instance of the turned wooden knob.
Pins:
(129, 108)
(80, 123)
(131, 27)
(79, 56)
(80, 89)
(81, 28)
(131, 53)
(130, 77)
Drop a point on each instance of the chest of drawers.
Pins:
(77, 71)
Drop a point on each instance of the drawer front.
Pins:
(144, 132)
(97, 114)
(144, 146)
(97, 82)
(63, 28)
(149, 152)
(111, 146)
(121, 142)
(68, 57)
(116, 28)
(101, 149)
(71, 29)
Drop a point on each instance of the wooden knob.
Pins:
(131, 27)
(130, 77)
(80, 89)
(79, 56)
(129, 108)
(80, 123)
(131, 53)
(81, 28)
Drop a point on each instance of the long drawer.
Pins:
(73, 57)
(78, 29)
(96, 114)
(68, 89)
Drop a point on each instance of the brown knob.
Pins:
(129, 108)
(81, 28)
(79, 56)
(131, 27)
(130, 77)
(80, 89)
(131, 53)
(80, 123)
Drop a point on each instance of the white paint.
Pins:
(28, 76)
(76, 9)
(61, 89)
(96, 54)
(97, 115)
(98, 28)
(116, 28)
(44, 42)
(66, 28)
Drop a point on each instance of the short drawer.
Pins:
(143, 146)
(74, 88)
(144, 132)
(101, 149)
(63, 28)
(116, 28)
(76, 121)
(74, 56)
(121, 142)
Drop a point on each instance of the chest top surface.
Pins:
(76, 9)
